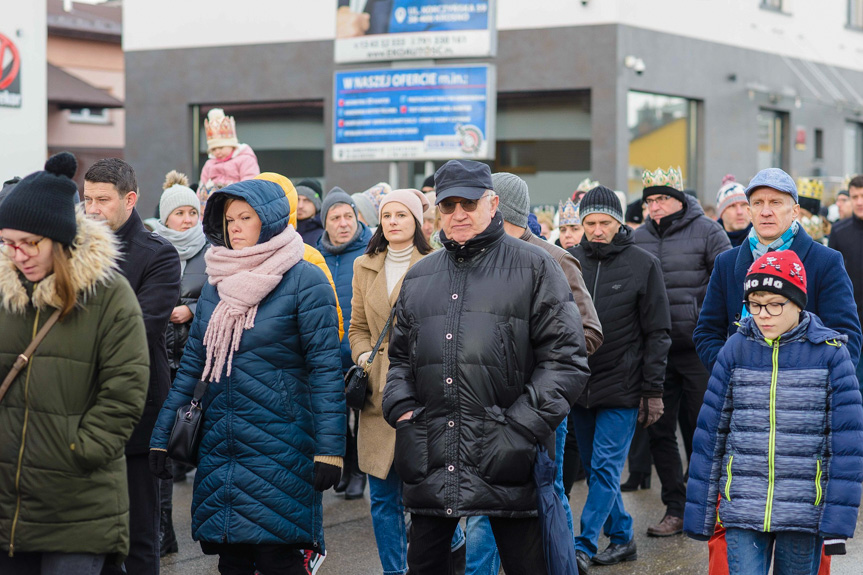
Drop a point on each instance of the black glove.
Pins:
(158, 461)
(834, 547)
(326, 475)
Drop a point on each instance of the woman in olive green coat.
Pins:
(64, 504)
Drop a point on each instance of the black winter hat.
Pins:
(634, 212)
(313, 184)
(43, 202)
(601, 200)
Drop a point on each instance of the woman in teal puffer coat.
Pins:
(265, 338)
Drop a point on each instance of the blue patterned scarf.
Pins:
(778, 245)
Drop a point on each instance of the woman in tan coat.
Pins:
(397, 245)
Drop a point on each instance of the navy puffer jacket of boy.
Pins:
(779, 437)
(282, 405)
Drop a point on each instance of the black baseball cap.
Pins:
(462, 179)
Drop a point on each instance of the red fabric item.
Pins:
(778, 272)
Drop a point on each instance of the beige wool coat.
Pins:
(371, 307)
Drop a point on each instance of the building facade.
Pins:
(601, 88)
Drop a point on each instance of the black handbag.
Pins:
(357, 378)
(188, 427)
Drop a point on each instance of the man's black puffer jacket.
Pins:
(626, 285)
(686, 252)
(191, 284)
(488, 351)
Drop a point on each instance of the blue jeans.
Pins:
(388, 521)
(482, 555)
(749, 552)
(603, 441)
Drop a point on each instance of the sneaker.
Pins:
(312, 561)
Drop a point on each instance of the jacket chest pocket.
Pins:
(507, 343)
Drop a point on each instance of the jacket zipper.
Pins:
(771, 448)
(818, 491)
(21, 449)
(593, 295)
(728, 480)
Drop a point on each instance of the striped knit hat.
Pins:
(601, 200)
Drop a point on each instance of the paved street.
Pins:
(352, 548)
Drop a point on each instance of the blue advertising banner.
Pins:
(379, 30)
(438, 113)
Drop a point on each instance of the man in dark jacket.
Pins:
(345, 238)
(847, 239)
(309, 224)
(686, 243)
(479, 375)
(152, 267)
(627, 372)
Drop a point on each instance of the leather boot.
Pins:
(343, 482)
(167, 537)
(356, 486)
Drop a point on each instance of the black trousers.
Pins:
(143, 556)
(519, 542)
(640, 460)
(246, 559)
(685, 384)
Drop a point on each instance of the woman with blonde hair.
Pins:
(396, 245)
(65, 418)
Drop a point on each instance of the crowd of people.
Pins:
(487, 330)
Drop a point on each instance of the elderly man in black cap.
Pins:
(486, 358)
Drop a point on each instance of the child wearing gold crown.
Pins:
(230, 161)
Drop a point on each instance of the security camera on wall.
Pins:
(639, 67)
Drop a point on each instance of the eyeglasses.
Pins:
(28, 248)
(657, 200)
(448, 206)
(773, 308)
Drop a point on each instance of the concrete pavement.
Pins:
(352, 549)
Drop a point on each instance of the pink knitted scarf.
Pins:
(243, 278)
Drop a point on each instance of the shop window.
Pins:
(819, 144)
(663, 133)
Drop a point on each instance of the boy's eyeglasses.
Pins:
(773, 308)
(448, 206)
(28, 248)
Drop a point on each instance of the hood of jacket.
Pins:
(94, 258)
(266, 197)
(810, 327)
(621, 240)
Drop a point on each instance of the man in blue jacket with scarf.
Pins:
(772, 196)
(774, 209)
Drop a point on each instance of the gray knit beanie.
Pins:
(601, 200)
(514, 203)
(336, 196)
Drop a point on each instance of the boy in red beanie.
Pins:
(780, 434)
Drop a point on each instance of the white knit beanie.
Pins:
(173, 198)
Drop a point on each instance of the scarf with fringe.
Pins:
(243, 278)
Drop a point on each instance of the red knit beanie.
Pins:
(780, 273)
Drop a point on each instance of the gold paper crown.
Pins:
(847, 182)
(221, 129)
(544, 210)
(809, 188)
(671, 178)
(586, 185)
(568, 214)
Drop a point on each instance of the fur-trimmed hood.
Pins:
(95, 254)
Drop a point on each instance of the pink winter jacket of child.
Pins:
(242, 165)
